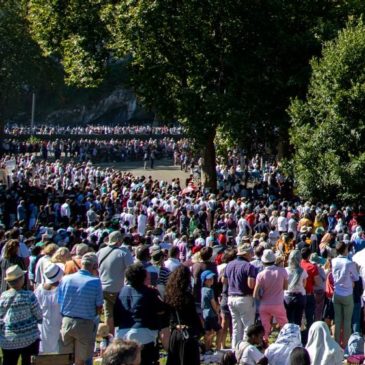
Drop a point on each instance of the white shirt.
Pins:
(172, 264)
(282, 224)
(65, 210)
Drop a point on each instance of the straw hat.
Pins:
(13, 273)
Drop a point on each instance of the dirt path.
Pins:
(163, 169)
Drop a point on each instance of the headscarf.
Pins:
(294, 266)
(322, 348)
(355, 346)
(289, 338)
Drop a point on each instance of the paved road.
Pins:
(163, 169)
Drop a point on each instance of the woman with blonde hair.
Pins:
(61, 256)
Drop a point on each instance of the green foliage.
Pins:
(74, 32)
(22, 66)
(328, 128)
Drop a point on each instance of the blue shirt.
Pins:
(344, 274)
(79, 295)
(206, 304)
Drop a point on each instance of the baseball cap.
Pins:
(205, 275)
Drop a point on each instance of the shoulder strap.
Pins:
(103, 259)
(77, 265)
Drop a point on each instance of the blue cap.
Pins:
(207, 274)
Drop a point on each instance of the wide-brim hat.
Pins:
(268, 257)
(52, 274)
(14, 272)
(244, 249)
(115, 237)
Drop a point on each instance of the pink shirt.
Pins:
(271, 282)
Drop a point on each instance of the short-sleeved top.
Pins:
(312, 271)
(298, 287)
(20, 314)
(206, 305)
(250, 354)
(114, 261)
(237, 272)
(271, 281)
(79, 295)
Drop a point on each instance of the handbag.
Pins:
(182, 328)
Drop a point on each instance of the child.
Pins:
(210, 309)
(247, 352)
(103, 337)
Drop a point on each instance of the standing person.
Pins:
(173, 262)
(113, 261)
(186, 327)
(74, 265)
(145, 159)
(198, 268)
(294, 297)
(47, 298)
(240, 276)
(322, 348)
(313, 279)
(44, 261)
(10, 258)
(80, 298)
(269, 289)
(139, 313)
(210, 310)
(152, 158)
(344, 275)
(19, 314)
(319, 290)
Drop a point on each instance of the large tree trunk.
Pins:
(209, 174)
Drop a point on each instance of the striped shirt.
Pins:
(79, 295)
(20, 314)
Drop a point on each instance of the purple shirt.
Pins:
(237, 272)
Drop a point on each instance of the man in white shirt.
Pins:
(173, 262)
(282, 223)
(243, 228)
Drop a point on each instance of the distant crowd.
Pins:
(134, 130)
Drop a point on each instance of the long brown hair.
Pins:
(11, 249)
(177, 287)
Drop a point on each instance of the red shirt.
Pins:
(312, 271)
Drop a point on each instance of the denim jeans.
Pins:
(310, 309)
(356, 318)
(243, 315)
(294, 305)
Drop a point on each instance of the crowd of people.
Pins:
(101, 263)
(134, 130)
(112, 150)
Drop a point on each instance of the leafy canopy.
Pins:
(328, 128)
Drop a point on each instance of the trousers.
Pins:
(243, 315)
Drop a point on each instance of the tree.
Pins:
(22, 66)
(209, 64)
(328, 127)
